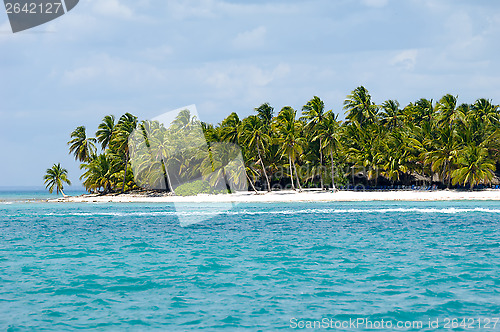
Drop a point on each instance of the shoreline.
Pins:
(292, 196)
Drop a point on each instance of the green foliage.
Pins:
(197, 187)
(457, 144)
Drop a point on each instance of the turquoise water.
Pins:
(111, 267)
(26, 196)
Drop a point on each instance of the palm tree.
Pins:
(449, 114)
(419, 113)
(474, 167)
(182, 119)
(365, 149)
(55, 178)
(81, 146)
(150, 153)
(391, 115)
(255, 136)
(486, 111)
(106, 130)
(329, 132)
(101, 172)
(398, 157)
(313, 113)
(229, 128)
(443, 152)
(359, 107)
(265, 113)
(288, 131)
(124, 128)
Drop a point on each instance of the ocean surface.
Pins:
(255, 267)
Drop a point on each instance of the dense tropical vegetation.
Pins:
(424, 143)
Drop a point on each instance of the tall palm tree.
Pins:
(329, 132)
(443, 153)
(255, 136)
(288, 132)
(124, 128)
(55, 177)
(313, 113)
(105, 131)
(81, 146)
(150, 154)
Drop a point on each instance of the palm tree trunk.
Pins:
(168, 182)
(291, 172)
(333, 175)
(446, 176)
(321, 163)
(62, 192)
(125, 173)
(226, 181)
(297, 175)
(251, 183)
(263, 168)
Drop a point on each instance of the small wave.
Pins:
(381, 211)
(183, 211)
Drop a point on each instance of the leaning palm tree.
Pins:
(55, 178)
(313, 113)
(82, 147)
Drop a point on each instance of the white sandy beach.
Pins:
(292, 196)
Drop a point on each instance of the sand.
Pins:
(292, 196)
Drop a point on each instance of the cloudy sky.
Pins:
(150, 56)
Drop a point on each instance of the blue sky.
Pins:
(147, 57)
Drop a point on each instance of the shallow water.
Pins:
(262, 266)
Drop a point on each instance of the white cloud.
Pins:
(157, 53)
(244, 75)
(405, 59)
(112, 8)
(250, 39)
(191, 8)
(114, 72)
(5, 31)
(247, 82)
(375, 3)
(207, 9)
